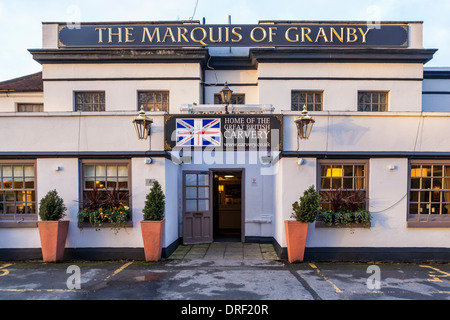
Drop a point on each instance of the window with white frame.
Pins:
(429, 192)
(18, 191)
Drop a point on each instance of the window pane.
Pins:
(203, 205)
(100, 171)
(89, 183)
(413, 208)
(18, 183)
(415, 183)
(122, 171)
(123, 183)
(29, 171)
(111, 171)
(203, 179)
(89, 171)
(29, 183)
(437, 171)
(111, 183)
(191, 179)
(191, 205)
(7, 183)
(7, 171)
(191, 192)
(203, 192)
(414, 196)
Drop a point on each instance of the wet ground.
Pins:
(223, 273)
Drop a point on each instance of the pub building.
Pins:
(222, 104)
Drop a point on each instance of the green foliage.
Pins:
(346, 208)
(347, 218)
(308, 208)
(51, 207)
(154, 204)
(105, 206)
(117, 217)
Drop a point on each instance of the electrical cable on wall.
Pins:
(195, 9)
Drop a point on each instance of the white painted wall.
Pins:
(120, 93)
(292, 181)
(9, 101)
(341, 95)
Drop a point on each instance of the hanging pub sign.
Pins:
(224, 132)
(260, 35)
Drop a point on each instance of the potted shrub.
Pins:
(304, 213)
(52, 230)
(152, 225)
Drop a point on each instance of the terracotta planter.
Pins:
(296, 233)
(53, 236)
(152, 235)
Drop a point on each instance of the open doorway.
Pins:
(227, 206)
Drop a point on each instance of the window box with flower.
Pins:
(347, 209)
(105, 208)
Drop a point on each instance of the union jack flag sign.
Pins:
(198, 132)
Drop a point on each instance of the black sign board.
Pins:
(225, 132)
(260, 35)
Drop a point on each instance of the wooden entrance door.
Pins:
(197, 212)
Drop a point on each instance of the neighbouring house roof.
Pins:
(29, 83)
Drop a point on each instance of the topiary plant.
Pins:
(308, 208)
(51, 207)
(154, 203)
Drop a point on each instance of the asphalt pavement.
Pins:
(223, 280)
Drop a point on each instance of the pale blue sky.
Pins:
(20, 20)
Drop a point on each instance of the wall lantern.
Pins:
(143, 125)
(225, 94)
(304, 124)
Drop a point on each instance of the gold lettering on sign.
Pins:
(321, 34)
(340, 36)
(146, 34)
(272, 33)
(288, 38)
(252, 34)
(118, 35)
(351, 35)
(169, 34)
(306, 35)
(234, 31)
(364, 34)
(211, 35)
(227, 34)
(128, 35)
(201, 41)
(100, 34)
(181, 34)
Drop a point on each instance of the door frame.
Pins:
(242, 171)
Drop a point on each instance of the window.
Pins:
(372, 101)
(105, 176)
(311, 99)
(429, 194)
(154, 100)
(236, 98)
(89, 101)
(17, 191)
(345, 176)
(30, 107)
